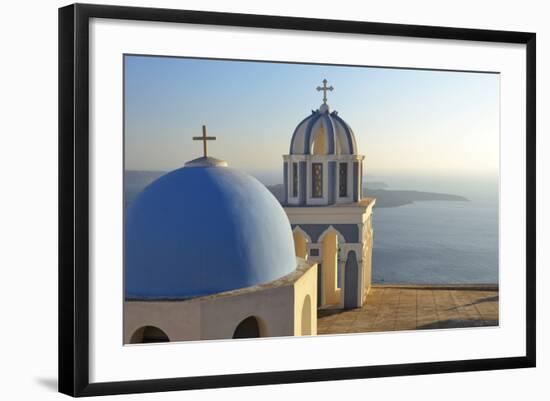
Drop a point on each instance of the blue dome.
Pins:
(335, 132)
(204, 229)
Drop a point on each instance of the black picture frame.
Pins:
(74, 198)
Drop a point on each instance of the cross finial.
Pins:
(325, 88)
(204, 138)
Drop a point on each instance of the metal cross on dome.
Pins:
(204, 138)
(325, 88)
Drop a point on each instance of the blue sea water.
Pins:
(436, 242)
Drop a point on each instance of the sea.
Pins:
(438, 242)
(425, 242)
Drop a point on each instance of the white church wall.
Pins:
(304, 287)
(277, 308)
(180, 320)
(310, 219)
(272, 307)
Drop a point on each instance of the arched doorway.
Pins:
(248, 328)
(306, 316)
(148, 335)
(319, 146)
(300, 244)
(330, 268)
(351, 291)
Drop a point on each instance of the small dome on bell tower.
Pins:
(323, 166)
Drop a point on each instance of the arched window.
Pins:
(320, 142)
(330, 243)
(316, 180)
(148, 335)
(294, 179)
(343, 180)
(248, 328)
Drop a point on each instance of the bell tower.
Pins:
(323, 199)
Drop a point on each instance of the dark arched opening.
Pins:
(351, 282)
(248, 328)
(148, 335)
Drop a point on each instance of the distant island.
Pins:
(375, 184)
(387, 197)
(395, 198)
(135, 181)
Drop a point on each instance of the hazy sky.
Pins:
(406, 122)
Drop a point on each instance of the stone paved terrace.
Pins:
(410, 307)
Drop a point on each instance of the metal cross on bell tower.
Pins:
(325, 88)
(204, 140)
